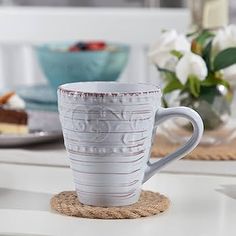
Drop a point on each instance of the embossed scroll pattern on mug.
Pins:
(95, 121)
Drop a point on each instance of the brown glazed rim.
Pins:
(112, 94)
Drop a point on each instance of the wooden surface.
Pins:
(223, 152)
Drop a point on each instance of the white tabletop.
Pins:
(201, 205)
(203, 196)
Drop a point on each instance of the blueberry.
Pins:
(82, 46)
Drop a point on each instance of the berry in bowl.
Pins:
(81, 61)
(88, 46)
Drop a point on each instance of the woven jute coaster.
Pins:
(224, 152)
(150, 203)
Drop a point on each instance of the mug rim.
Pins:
(154, 89)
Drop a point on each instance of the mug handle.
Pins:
(162, 115)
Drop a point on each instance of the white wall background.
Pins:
(18, 64)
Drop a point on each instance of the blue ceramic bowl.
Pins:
(61, 66)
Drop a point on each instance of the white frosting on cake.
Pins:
(15, 102)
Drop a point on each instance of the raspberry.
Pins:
(97, 45)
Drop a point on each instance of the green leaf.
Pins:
(206, 54)
(199, 43)
(223, 82)
(164, 70)
(176, 53)
(225, 59)
(173, 85)
(209, 81)
(194, 85)
(201, 39)
(212, 81)
(192, 33)
(164, 102)
(169, 75)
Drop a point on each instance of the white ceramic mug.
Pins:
(108, 129)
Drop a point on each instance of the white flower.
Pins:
(191, 64)
(224, 38)
(168, 41)
(230, 73)
(171, 63)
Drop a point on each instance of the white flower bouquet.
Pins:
(200, 66)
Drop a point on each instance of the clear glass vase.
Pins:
(215, 106)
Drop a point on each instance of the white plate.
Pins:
(43, 127)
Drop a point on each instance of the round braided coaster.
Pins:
(149, 204)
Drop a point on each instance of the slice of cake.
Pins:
(13, 117)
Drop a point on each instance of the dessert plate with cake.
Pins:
(21, 127)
